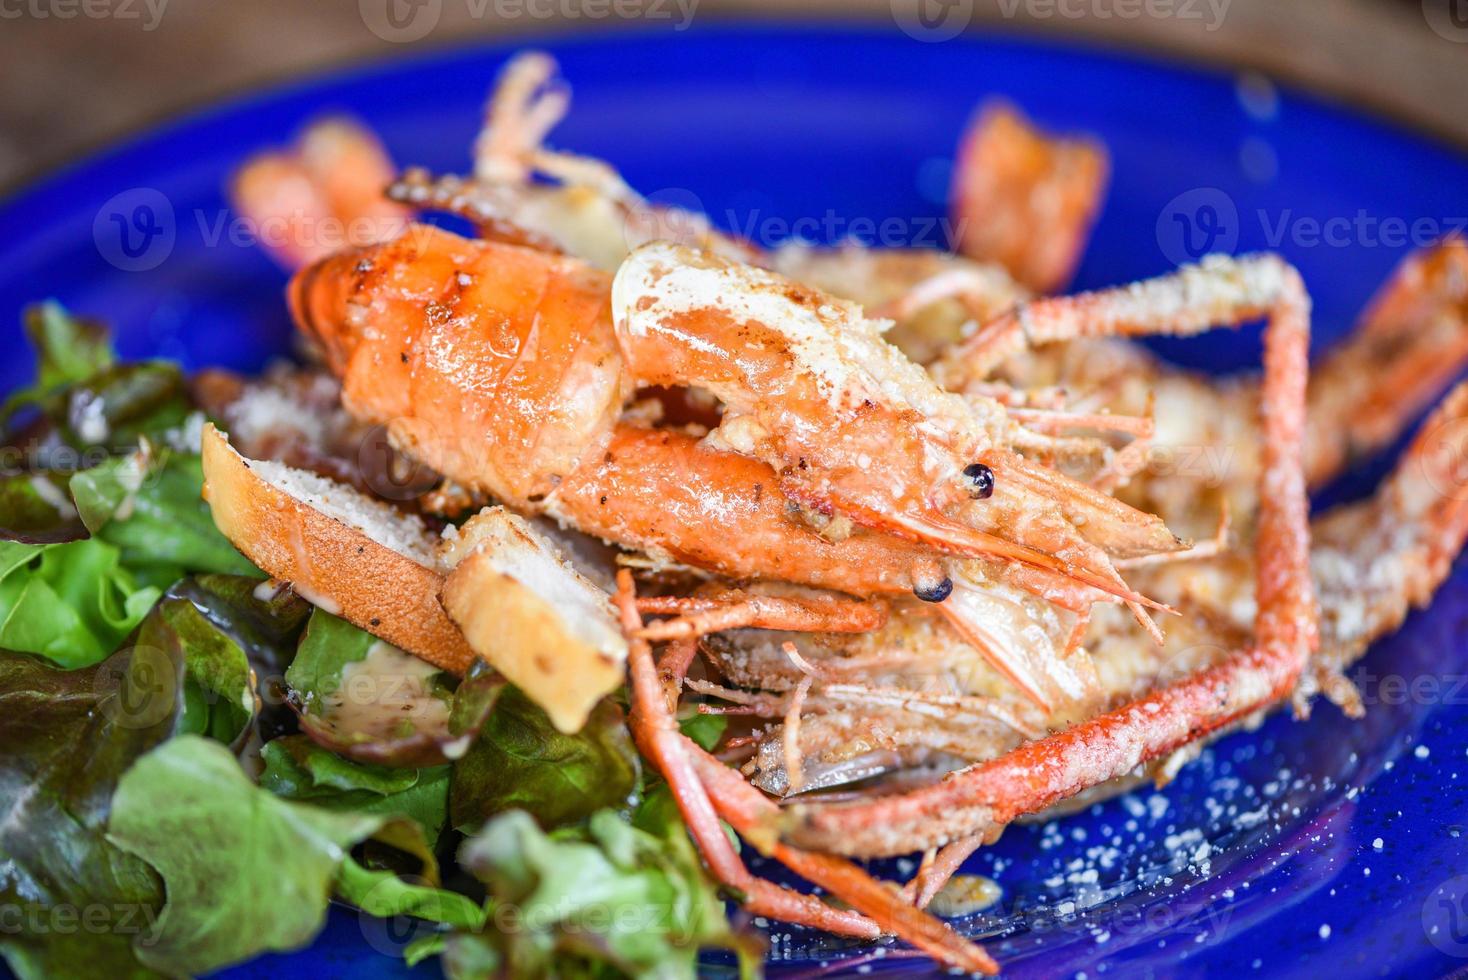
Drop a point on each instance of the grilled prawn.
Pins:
(911, 696)
(502, 368)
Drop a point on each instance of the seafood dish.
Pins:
(590, 558)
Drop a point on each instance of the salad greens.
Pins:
(197, 762)
(68, 736)
(34, 510)
(71, 602)
(521, 761)
(579, 900)
(189, 810)
(298, 769)
(233, 644)
(69, 351)
(166, 521)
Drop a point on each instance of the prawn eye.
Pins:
(979, 480)
(934, 593)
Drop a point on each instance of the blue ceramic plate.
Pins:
(1294, 845)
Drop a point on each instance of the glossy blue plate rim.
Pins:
(1280, 849)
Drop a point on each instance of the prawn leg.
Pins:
(748, 812)
(658, 738)
(705, 790)
(1220, 290)
(1040, 773)
(1376, 560)
(1409, 345)
(728, 609)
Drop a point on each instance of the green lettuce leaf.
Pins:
(244, 870)
(299, 769)
(73, 603)
(150, 504)
(68, 735)
(330, 645)
(706, 730)
(521, 761)
(408, 917)
(388, 896)
(100, 492)
(606, 899)
(395, 879)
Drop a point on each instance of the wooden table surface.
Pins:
(79, 72)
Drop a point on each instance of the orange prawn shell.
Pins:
(495, 364)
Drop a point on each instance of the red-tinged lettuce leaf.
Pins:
(235, 641)
(68, 348)
(68, 736)
(34, 509)
(114, 407)
(264, 622)
(84, 405)
(79, 425)
(366, 699)
(522, 761)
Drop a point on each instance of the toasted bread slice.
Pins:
(352, 556)
(525, 609)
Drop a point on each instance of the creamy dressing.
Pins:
(385, 692)
(268, 590)
(323, 602)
